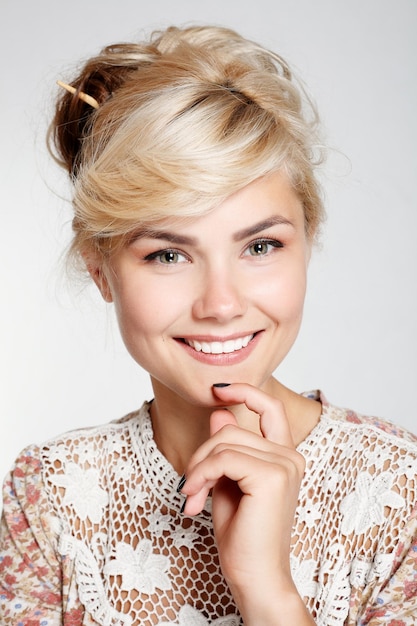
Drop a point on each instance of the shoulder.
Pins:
(75, 471)
(383, 429)
(360, 453)
(83, 446)
(366, 470)
(356, 423)
(96, 436)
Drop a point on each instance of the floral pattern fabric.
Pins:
(92, 531)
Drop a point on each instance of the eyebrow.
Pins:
(260, 226)
(244, 233)
(165, 235)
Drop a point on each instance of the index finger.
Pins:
(273, 422)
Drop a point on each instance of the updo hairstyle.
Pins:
(184, 120)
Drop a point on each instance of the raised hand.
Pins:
(255, 480)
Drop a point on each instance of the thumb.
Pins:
(220, 418)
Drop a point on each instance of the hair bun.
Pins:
(100, 77)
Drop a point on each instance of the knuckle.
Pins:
(227, 429)
(300, 462)
(225, 456)
(220, 449)
(288, 470)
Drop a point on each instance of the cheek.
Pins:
(145, 308)
(282, 296)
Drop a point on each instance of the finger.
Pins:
(196, 480)
(225, 433)
(220, 418)
(254, 472)
(275, 426)
(274, 423)
(228, 464)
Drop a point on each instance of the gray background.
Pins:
(62, 364)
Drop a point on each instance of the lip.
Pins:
(224, 358)
(222, 338)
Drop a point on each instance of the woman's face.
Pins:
(218, 298)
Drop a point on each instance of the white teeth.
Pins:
(229, 346)
(219, 347)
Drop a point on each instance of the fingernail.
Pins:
(181, 483)
(221, 384)
(183, 505)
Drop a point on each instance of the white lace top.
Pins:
(92, 531)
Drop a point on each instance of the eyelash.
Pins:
(275, 243)
(158, 254)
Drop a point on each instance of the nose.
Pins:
(220, 296)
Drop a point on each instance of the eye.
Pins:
(166, 257)
(262, 247)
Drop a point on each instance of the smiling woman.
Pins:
(237, 276)
(227, 498)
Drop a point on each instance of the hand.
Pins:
(255, 480)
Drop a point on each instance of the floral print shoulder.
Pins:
(92, 533)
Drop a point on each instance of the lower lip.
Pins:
(229, 358)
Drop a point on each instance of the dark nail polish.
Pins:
(221, 384)
(183, 506)
(181, 483)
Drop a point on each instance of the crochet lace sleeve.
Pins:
(30, 570)
(396, 601)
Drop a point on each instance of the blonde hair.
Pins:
(184, 120)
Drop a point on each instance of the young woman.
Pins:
(227, 498)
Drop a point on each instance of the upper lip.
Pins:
(213, 338)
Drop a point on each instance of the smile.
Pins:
(219, 347)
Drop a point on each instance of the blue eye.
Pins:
(261, 247)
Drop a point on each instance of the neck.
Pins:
(179, 427)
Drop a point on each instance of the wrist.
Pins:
(272, 607)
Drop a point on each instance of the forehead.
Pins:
(270, 199)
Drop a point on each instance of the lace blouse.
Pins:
(92, 531)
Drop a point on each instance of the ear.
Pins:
(96, 269)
